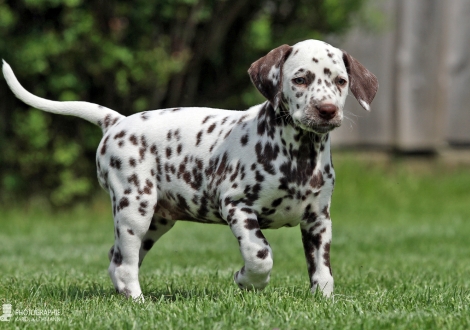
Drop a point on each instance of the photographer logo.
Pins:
(5, 317)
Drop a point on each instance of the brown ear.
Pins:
(266, 73)
(362, 82)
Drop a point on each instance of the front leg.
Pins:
(254, 248)
(316, 238)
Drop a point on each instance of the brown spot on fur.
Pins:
(134, 139)
(206, 119)
(262, 254)
(198, 138)
(123, 203)
(103, 148)
(317, 180)
(326, 256)
(115, 163)
(211, 128)
(244, 140)
(251, 224)
(121, 134)
(117, 257)
(276, 202)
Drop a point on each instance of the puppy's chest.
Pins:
(287, 207)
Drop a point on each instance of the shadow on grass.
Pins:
(173, 294)
(226, 291)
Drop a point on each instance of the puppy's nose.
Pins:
(327, 111)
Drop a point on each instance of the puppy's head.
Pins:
(311, 81)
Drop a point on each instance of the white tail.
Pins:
(94, 113)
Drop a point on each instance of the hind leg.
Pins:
(132, 218)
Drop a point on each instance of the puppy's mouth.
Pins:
(319, 128)
(323, 129)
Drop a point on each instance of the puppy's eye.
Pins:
(299, 81)
(341, 82)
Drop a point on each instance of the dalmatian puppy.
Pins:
(266, 167)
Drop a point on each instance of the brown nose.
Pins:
(327, 111)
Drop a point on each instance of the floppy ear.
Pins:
(362, 82)
(266, 73)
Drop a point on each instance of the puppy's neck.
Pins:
(297, 143)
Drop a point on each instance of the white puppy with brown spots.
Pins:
(266, 167)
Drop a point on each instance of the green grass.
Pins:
(400, 257)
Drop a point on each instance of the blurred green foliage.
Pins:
(131, 56)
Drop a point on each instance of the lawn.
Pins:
(400, 257)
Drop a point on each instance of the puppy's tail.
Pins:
(94, 113)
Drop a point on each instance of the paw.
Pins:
(325, 285)
(136, 296)
(245, 282)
